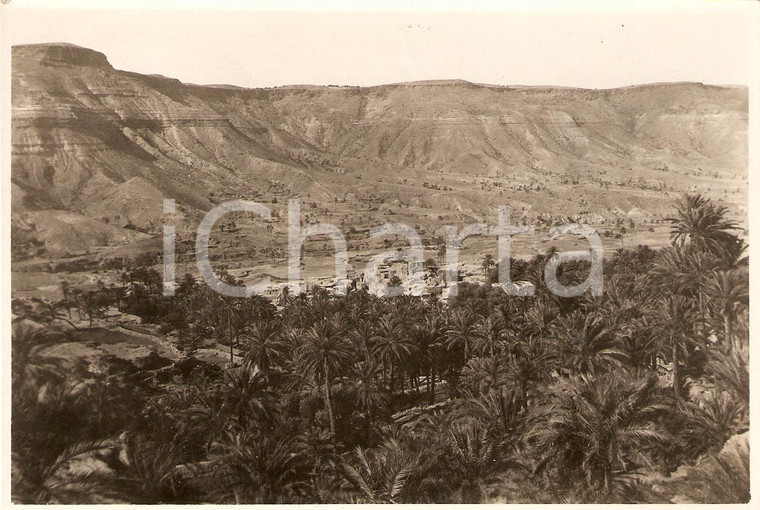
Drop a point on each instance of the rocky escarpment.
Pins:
(106, 144)
(63, 54)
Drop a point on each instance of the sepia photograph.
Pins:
(384, 252)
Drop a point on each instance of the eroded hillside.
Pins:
(97, 148)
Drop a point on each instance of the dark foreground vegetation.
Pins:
(360, 399)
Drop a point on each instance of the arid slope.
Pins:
(104, 146)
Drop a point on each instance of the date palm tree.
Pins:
(362, 334)
(589, 343)
(717, 415)
(382, 475)
(259, 469)
(727, 290)
(394, 346)
(285, 299)
(729, 367)
(264, 346)
(640, 339)
(488, 263)
(43, 481)
(150, 474)
(225, 316)
(531, 363)
(481, 375)
(430, 336)
(537, 318)
(683, 272)
(676, 318)
(500, 411)
(599, 428)
(31, 366)
(247, 397)
(462, 332)
(324, 355)
(702, 224)
(473, 456)
(491, 332)
(370, 396)
(318, 450)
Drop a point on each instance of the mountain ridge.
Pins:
(84, 52)
(82, 130)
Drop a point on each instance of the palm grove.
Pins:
(360, 399)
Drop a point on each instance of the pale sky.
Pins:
(256, 48)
